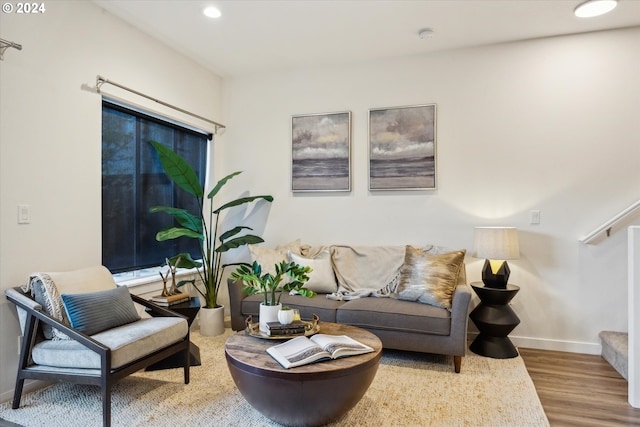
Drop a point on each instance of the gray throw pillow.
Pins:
(94, 312)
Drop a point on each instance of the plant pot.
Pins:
(286, 316)
(212, 321)
(268, 313)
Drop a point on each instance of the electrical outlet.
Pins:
(534, 217)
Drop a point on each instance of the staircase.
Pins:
(620, 349)
(615, 350)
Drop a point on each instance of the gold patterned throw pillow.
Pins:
(430, 278)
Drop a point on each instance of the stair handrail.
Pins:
(606, 227)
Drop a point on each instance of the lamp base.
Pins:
(497, 280)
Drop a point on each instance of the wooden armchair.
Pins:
(100, 359)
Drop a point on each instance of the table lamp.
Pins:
(496, 245)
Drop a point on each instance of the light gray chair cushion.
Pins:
(127, 343)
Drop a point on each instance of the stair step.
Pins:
(615, 350)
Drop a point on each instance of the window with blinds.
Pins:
(133, 181)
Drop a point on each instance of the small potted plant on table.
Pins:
(272, 286)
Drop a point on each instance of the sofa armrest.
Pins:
(236, 295)
(460, 315)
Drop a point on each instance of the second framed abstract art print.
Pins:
(402, 148)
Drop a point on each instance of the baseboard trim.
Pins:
(550, 344)
(29, 386)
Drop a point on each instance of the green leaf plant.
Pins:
(271, 287)
(214, 242)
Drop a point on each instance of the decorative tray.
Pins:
(310, 328)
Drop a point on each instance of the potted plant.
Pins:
(272, 286)
(196, 226)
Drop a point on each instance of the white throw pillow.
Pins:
(322, 279)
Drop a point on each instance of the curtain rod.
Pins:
(6, 44)
(101, 80)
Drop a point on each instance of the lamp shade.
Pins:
(498, 243)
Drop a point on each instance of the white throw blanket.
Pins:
(51, 301)
(364, 271)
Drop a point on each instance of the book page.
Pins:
(340, 345)
(297, 351)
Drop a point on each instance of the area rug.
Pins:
(410, 389)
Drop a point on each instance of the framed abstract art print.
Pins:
(402, 148)
(321, 152)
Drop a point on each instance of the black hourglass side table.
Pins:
(494, 319)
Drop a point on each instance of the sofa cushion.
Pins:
(395, 315)
(320, 305)
(322, 279)
(428, 278)
(127, 343)
(93, 312)
(268, 258)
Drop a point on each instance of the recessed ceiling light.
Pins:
(212, 12)
(593, 8)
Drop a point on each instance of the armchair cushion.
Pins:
(47, 287)
(127, 343)
(93, 312)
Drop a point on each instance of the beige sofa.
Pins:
(389, 301)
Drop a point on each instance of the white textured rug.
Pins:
(410, 389)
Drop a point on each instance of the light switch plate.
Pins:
(534, 217)
(24, 214)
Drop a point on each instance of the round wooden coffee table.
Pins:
(307, 395)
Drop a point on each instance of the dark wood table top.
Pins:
(251, 353)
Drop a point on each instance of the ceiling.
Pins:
(255, 36)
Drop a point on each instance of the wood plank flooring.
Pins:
(579, 389)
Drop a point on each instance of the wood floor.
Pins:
(579, 389)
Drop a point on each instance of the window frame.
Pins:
(157, 123)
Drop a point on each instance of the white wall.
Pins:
(50, 135)
(550, 124)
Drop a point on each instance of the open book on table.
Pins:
(302, 350)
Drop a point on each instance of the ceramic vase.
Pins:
(211, 321)
(268, 313)
(285, 316)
